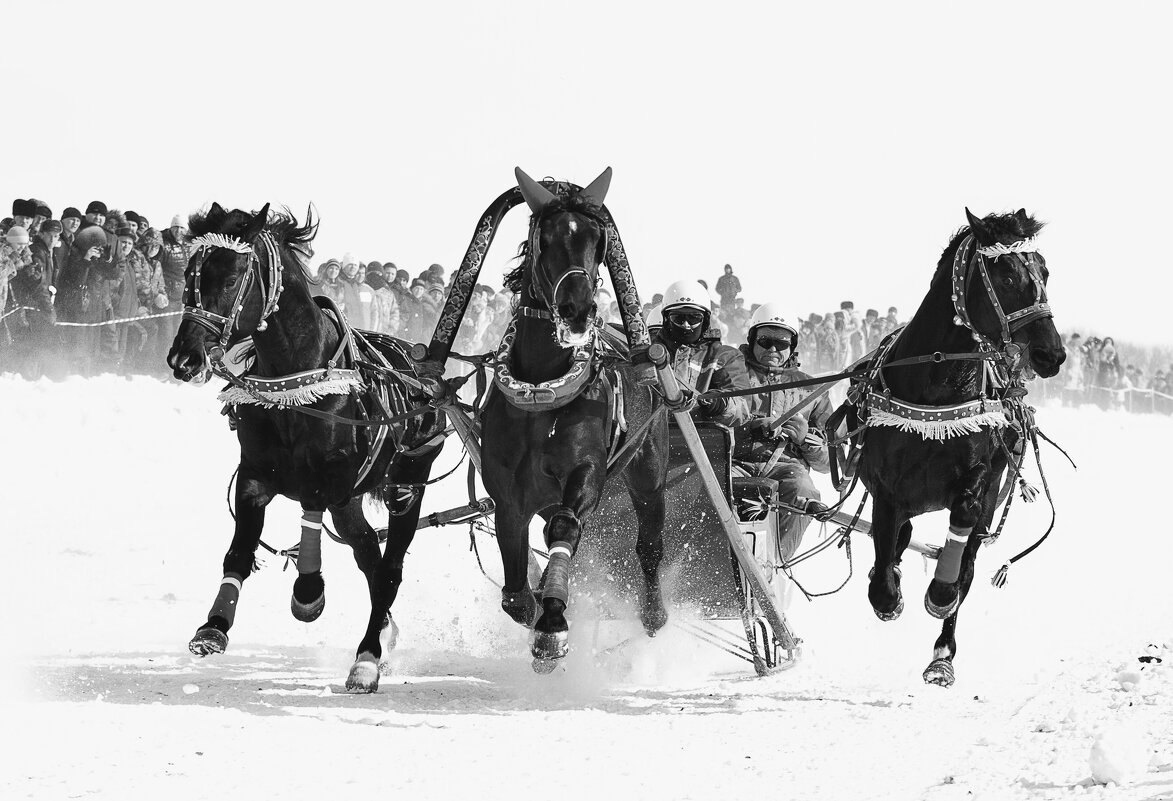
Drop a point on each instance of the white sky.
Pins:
(826, 150)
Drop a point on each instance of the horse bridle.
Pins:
(222, 326)
(535, 249)
(969, 255)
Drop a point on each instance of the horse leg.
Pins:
(309, 589)
(645, 485)
(584, 484)
(517, 597)
(940, 670)
(251, 499)
(386, 573)
(884, 578)
(943, 594)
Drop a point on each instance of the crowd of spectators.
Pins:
(1095, 372)
(103, 292)
(88, 293)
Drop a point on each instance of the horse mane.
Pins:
(1003, 226)
(294, 239)
(576, 202)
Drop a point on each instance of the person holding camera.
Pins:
(84, 289)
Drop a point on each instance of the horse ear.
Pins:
(536, 195)
(1021, 217)
(257, 224)
(597, 190)
(980, 232)
(216, 213)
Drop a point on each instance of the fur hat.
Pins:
(891, 310)
(132, 216)
(52, 227)
(92, 237)
(420, 283)
(125, 232)
(847, 304)
(872, 313)
(70, 211)
(43, 211)
(151, 237)
(96, 207)
(24, 208)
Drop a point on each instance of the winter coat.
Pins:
(124, 294)
(754, 445)
(728, 287)
(12, 260)
(358, 302)
(174, 257)
(80, 278)
(711, 365)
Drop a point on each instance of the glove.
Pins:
(712, 407)
(795, 428)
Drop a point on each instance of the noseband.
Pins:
(222, 326)
(969, 256)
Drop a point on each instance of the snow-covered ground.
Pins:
(117, 526)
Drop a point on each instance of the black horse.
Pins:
(553, 460)
(304, 351)
(986, 318)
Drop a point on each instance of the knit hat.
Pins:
(96, 207)
(872, 313)
(70, 211)
(375, 281)
(435, 269)
(17, 235)
(24, 208)
(420, 283)
(374, 265)
(402, 275)
(52, 227)
(891, 310)
(179, 220)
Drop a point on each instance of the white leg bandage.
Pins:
(949, 560)
(309, 553)
(225, 604)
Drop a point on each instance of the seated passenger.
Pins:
(697, 356)
(783, 450)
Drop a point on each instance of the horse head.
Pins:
(568, 242)
(1007, 300)
(221, 303)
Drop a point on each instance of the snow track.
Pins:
(117, 526)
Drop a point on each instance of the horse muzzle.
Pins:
(1046, 361)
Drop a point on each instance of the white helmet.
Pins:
(685, 294)
(771, 314)
(655, 316)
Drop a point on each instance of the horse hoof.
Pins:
(941, 612)
(522, 606)
(208, 641)
(939, 672)
(888, 617)
(544, 667)
(550, 645)
(364, 677)
(307, 613)
(654, 619)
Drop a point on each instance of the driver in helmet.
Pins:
(772, 444)
(698, 358)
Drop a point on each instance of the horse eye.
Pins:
(1008, 282)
